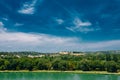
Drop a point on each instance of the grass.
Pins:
(76, 72)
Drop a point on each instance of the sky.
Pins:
(59, 25)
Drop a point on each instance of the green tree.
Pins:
(85, 65)
(111, 66)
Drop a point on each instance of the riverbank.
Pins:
(53, 71)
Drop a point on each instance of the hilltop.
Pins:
(39, 54)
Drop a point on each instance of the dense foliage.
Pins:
(88, 62)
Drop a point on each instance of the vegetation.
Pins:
(96, 61)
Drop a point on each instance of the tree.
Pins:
(111, 66)
(85, 65)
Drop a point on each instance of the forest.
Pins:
(99, 61)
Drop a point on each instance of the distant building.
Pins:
(17, 56)
(65, 52)
(78, 54)
(71, 53)
(35, 56)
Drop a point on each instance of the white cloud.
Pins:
(78, 23)
(35, 38)
(22, 41)
(1, 24)
(2, 29)
(28, 8)
(19, 41)
(18, 24)
(59, 21)
(96, 46)
(6, 19)
(80, 26)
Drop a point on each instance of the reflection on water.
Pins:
(56, 76)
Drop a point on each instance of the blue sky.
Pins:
(59, 25)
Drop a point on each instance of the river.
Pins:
(54, 76)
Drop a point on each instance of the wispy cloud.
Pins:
(78, 23)
(28, 7)
(6, 19)
(18, 24)
(80, 26)
(2, 29)
(59, 21)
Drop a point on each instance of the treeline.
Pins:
(86, 62)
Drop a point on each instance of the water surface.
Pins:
(55, 76)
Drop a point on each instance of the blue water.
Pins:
(55, 76)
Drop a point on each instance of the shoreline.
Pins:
(54, 71)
